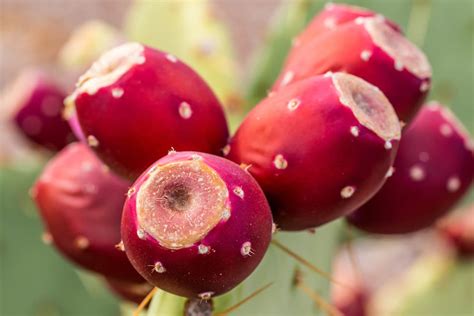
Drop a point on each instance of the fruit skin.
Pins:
(158, 103)
(131, 291)
(334, 15)
(350, 48)
(189, 273)
(321, 157)
(80, 203)
(433, 169)
(36, 103)
(459, 231)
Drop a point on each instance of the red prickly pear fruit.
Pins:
(368, 48)
(459, 230)
(130, 291)
(319, 148)
(35, 103)
(433, 169)
(136, 103)
(195, 224)
(80, 202)
(334, 15)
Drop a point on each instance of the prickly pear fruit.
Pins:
(35, 103)
(334, 15)
(433, 169)
(319, 148)
(131, 291)
(195, 225)
(80, 202)
(371, 49)
(136, 103)
(459, 230)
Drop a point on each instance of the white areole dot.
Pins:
(347, 192)
(280, 162)
(453, 184)
(417, 173)
(185, 110)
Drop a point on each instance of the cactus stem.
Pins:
(419, 21)
(306, 263)
(322, 304)
(243, 301)
(145, 301)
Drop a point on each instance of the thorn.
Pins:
(243, 301)
(306, 263)
(145, 301)
(322, 304)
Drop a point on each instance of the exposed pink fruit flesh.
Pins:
(433, 169)
(35, 103)
(196, 225)
(136, 103)
(80, 202)
(319, 148)
(368, 48)
(130, 291)
(334, 15)
(459, 230)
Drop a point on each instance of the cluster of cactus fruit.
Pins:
(157, 194)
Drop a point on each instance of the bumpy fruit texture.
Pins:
(35, 103)
(319, 148)
(459, 230)
(369, 48)
(136, 103)
(80, 202)
(332, 16)
(433, 169)
(130, 291)
(196, 225)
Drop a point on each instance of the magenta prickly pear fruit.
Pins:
(80, 202)
(371, 49)
(459, 230)
(195, 224)
(136, 103)
(319, 148)
(433, 169)
(130, 291)
(331, 17)
(35, 103)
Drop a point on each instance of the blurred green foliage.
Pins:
(35, 280)
(449, 294)
(191, 31)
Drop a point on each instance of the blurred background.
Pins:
(244, 43)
